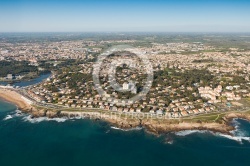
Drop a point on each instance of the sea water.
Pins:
(50, 142)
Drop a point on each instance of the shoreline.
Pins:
(25, 79)
(16, 99)
(153, 126)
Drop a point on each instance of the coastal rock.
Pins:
(52, 114)
(38, 113)
(231, 116)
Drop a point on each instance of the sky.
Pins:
(125, 16)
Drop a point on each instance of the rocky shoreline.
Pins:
(154, 126)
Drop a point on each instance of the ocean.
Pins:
(84, 142)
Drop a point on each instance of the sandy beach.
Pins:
(15, 98)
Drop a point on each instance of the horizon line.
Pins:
(124, 31)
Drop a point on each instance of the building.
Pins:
(129, 87)
(10, 77)
(209, 93)
(125, 86)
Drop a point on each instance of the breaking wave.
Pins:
(189, 132)
(238, 134)
(17, 113)
(238, 130)
(235, 138)
(132, 129)
(30, 119)
(8, 117)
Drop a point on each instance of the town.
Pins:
(189, 78)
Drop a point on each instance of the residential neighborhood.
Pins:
(184, 84)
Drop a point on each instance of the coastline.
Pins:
(153, 126)
(15, 98)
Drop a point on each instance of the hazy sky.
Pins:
(125, 15)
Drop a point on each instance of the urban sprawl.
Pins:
(189, 78)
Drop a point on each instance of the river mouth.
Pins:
(29, 82)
